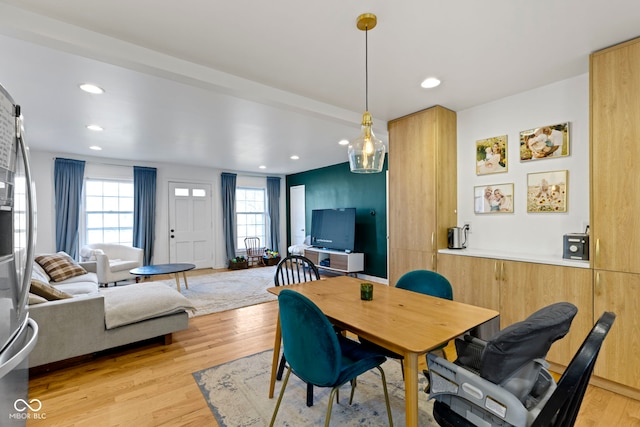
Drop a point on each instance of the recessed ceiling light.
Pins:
(95, 128)
(262, 167)
(91, 88)
(294, 157)
(95, 148)
(430, 82)
(343, 142)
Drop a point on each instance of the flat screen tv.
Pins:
(333, 228)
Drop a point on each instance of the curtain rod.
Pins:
(99, 163)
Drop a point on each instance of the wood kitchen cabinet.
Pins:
(517, 289)
(615, 151)
(473, 279)
(526, 287)
(422, 188)
(615, 241)
(619, 357)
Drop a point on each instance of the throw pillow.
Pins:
(47, 291)
(36, 299)
(60, 266)
(37, 272)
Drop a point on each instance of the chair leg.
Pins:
(327, 417)
(281, 368)
(284, 385)
(386, 395)
(309, 395)
(354, 383)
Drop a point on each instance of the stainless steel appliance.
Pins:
(457, 237)
(18, 333)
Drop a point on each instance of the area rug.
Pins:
(211, 293)
(237, 393)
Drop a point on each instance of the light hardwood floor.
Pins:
(152, 385)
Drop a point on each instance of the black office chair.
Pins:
(510, 384)
(291, 270)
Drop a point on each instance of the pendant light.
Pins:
(366, 152)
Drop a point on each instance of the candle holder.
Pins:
(366, 291)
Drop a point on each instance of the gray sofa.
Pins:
(81, 325)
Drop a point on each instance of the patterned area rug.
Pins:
(237, 393)
(211, 293)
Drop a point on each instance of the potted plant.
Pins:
(238, 263)
(271, 257)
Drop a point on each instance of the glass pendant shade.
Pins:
(366, 152)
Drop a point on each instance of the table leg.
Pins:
(276, 357)
(411, 388)
(177, 281)
(184, 276)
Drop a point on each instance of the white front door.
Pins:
(190, 224)
(297, 209)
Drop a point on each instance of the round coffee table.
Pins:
(154, 270)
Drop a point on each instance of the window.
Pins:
(108, 212)
(250, 215)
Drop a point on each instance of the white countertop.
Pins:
(524, 257)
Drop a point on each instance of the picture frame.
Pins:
(491, 155)
(547, 191)
(492, 199)
(544, 142)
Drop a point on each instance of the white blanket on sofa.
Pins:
(134, 303)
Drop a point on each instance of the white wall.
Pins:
(42, 170)
(538, 234)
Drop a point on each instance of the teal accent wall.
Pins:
(336, 187)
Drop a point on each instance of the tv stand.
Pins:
(338, 261)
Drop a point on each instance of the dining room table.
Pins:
(405, 322)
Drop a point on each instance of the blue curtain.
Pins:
(273, 210)
(144, 210)
(228, 181)
(68, 177)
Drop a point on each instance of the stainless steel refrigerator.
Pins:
(18, 333)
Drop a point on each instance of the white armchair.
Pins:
(113, 261)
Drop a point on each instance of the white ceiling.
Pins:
(238, 84)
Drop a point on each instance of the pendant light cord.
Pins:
(366, 68)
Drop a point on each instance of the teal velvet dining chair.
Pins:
(425, 282)
(319, 356)
(292, 270)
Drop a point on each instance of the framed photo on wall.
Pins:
(491, 155)
(547, 191)
(545, 142)
(490, 199)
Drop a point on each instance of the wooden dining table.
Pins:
(405, 322)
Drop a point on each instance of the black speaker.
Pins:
(576, 246)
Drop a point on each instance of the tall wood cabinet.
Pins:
(422, 188)
(615, 205)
